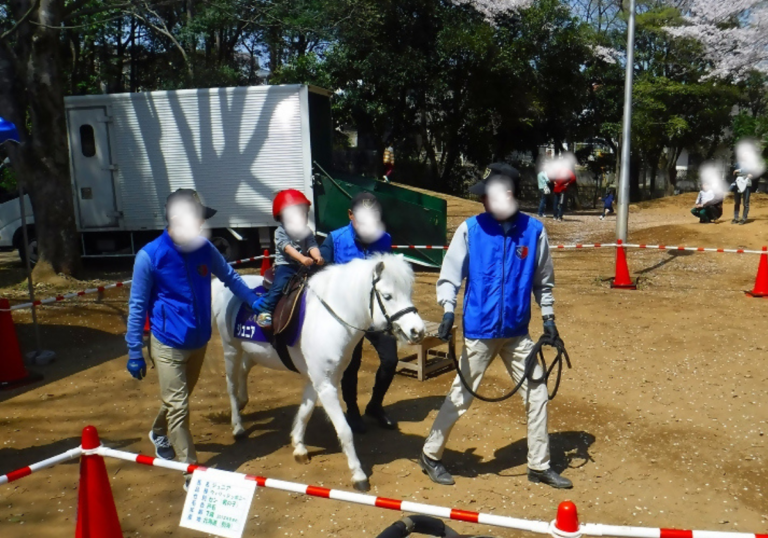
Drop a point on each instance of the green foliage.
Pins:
(7, 180)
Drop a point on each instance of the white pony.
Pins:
(341, 302)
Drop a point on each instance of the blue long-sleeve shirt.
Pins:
(174, 287)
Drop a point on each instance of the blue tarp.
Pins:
(8, 131)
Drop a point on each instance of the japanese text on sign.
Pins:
(217, 503)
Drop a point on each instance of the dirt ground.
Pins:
(662, 421)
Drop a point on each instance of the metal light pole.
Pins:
(622, 210)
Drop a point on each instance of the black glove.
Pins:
(444, 331)
(550, 329)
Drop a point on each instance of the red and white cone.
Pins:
(265, 264)
(96, 511)
(761, 282)
(622, 280)
(567, 523)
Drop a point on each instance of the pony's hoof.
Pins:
(238, 433)
(363, 485)
(301, 458)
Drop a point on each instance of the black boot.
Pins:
(355, 421)
(377, 412)
(550, 478)
(435, 470)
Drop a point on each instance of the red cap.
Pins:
(288, 198)
(90, 438)
(567, 517)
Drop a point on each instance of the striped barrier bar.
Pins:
(693, 249)
(98, 289)
(50, 462)
(445, 247)
(583, 245)
(421, 247)
(456, 514)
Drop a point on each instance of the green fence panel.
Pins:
(412, 218)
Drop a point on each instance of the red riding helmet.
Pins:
(288, 198)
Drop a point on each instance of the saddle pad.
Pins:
(247, 329)
(741, 183)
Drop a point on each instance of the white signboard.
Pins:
(217, 503)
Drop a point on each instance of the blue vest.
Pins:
(180, 300)
(346, 247)
(497, 297)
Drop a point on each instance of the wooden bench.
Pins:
(427, 360)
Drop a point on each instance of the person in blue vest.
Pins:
(504, 257)
(362, 237)
(172, 282)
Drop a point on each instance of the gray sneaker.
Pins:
(163, 447)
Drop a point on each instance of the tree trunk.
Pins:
(31, 88)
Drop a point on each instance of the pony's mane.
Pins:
(395, 267)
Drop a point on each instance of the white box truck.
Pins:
(11, 234)
(236, 146)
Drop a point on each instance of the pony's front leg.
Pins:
(329, 397)
(234, 366)
(308, 401)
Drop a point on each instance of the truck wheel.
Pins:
(32, 249)
(227, 246)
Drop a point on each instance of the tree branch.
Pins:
(18, 22)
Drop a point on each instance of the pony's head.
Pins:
(391, 300)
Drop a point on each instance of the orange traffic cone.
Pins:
(96, 512)
(761, 282)
(265, 264)
(622, 279)
(567, 521)
(147, 328)
(12, 370)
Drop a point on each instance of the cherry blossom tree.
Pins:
(733, 34)
(490, 9)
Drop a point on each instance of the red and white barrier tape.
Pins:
(456, 514)
(609, 245)
(421, 247)
(694, 249)
(88, 291)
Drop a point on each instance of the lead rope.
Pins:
(535, 356)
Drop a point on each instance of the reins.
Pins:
(536, 356)
(374, 293)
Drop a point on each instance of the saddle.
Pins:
(286, 311)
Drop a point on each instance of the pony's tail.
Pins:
(217, 286)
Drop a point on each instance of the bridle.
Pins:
(377, 294)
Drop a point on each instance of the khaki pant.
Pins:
(475, 358)
(177, 371)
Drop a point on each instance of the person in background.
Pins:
(503, 255)
(544, 191)
(741, 188)
(172, 282)
(608, 203)
(389, 162)
(295, 246)
(360, 239)
(709, 204)
(565, 178)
